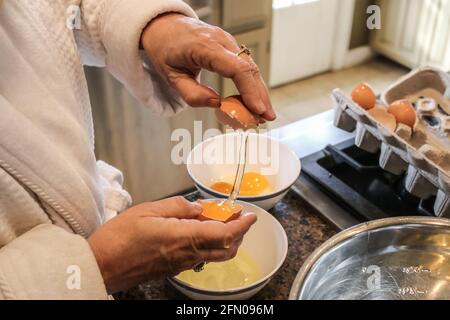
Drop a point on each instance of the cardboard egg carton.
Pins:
(423, 153)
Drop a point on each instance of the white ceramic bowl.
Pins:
(216, 159)
(266, 242)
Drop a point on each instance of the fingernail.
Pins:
(272, 114)
(228, 243)
(213, 103)
(197, 207)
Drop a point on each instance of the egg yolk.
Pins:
(253, 184)
(220, 210)
(222, 187)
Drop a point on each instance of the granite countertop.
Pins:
(306, 231)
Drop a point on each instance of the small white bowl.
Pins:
(216, 159)
(266, 242)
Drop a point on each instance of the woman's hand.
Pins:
(161, 239)
(179, 47)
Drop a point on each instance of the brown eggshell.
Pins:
(233, 113)
(234, 216)
(380, 114)
(404, 112)
(364, 96)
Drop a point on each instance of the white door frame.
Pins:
(344, 57)
(344, 24)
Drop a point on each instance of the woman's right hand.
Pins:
(161, 239)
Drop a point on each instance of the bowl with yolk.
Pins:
(258, 259)
(271, 168)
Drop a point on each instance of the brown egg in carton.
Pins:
(421, 151)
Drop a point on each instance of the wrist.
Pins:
(101, 263)
(157, 23)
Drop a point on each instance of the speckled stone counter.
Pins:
(306, 231)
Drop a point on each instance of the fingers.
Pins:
(209, 241)
(241, 226)
(229, 43)
(195, 94)
(217, 235)
(252, 88)
(207, 255)
(220, 255)
(264, 94)
(222, 58)
(229, 65)
(176, 207)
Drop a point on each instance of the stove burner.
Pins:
(354, 179)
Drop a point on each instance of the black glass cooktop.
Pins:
(353, 179)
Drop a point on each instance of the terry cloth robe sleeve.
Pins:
(109, 35)
(48, 262)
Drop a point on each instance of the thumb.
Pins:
(194, 93)
(176, 207)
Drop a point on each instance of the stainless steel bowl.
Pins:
(390, 259)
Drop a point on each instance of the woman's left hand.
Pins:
(179, 47)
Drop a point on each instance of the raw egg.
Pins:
(404, 112)
(239, 272)
(222, 187)
(380, 114)
(364, 96)
(253, 184)
(220, 210)
(233, 113)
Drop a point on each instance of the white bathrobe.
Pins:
(53, 193)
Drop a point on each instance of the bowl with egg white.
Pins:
(261, 255)
(270, 171)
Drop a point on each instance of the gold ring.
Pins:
(243, 50)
